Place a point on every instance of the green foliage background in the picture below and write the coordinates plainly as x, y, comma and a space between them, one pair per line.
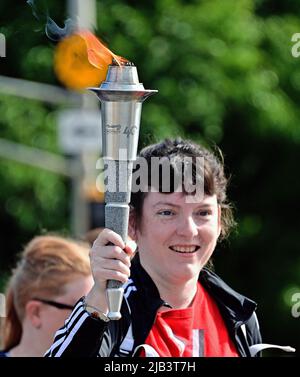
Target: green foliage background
225, 76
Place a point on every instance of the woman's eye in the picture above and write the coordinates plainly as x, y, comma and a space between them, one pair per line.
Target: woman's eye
204, 213
166, 213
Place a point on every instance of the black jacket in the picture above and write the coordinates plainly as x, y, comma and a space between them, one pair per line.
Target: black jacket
85, 336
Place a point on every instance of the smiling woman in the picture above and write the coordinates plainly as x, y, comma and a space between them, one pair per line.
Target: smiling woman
175, 305
52, 274
185, 238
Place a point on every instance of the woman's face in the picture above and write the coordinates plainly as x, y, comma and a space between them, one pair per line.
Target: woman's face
176, 238
53, 318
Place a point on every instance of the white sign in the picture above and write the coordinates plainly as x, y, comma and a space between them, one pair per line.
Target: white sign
79, 130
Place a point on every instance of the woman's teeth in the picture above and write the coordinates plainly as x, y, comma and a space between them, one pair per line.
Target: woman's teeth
184, 249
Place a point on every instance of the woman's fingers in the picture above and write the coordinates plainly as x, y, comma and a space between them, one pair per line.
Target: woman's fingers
109, 236
110, 252
106, 269
110, 257
130, 247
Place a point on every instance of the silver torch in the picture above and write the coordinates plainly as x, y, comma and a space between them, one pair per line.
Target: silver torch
121, 96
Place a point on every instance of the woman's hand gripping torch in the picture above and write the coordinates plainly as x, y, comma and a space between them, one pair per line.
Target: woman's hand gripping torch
121, 97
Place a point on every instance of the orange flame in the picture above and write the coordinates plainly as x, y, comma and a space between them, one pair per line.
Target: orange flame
81, 60
98, 54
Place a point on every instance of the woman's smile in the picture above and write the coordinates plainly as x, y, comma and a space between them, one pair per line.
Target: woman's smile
185, 249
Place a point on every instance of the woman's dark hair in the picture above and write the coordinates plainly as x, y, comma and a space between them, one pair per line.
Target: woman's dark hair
178, 150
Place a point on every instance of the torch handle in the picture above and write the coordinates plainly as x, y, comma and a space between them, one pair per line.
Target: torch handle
116, 219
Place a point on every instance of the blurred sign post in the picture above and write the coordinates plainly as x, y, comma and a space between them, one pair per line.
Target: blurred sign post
79, 131
80, 128
79, 135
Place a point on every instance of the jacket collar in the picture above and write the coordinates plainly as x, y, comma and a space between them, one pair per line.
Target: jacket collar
144, 282
144, 302
236, 308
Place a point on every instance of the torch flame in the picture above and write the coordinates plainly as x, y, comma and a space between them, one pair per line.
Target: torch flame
98, 54
81, 60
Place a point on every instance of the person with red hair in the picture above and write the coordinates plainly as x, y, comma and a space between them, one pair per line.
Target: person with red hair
51, 275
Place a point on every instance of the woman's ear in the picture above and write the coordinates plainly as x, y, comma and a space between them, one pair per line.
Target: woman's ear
33, 313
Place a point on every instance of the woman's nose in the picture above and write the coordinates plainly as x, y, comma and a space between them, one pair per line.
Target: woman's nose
187, 227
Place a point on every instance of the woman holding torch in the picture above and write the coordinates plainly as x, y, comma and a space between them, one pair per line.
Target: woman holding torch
174, 305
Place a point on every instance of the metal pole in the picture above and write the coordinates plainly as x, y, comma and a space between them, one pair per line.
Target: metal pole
79, 212
49, 161
37, 158
42, 92
83, 12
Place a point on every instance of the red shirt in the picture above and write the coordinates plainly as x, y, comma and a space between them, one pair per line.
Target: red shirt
198, 330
